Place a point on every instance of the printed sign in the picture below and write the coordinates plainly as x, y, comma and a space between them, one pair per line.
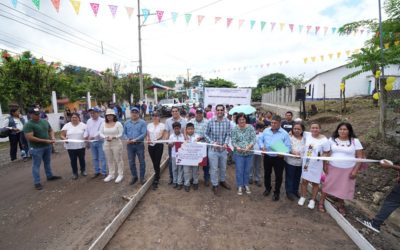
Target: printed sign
191, 154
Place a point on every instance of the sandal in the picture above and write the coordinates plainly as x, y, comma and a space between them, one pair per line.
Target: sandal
321, 208
341, 209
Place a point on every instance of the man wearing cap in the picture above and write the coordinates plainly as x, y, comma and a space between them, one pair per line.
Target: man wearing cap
176, 117
96, 147
135, 131
200, 126
40, 136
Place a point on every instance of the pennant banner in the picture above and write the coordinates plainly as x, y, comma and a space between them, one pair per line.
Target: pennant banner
160, 14
36, 3
199, 19
113, 9
14, 3
291, 26
263, 25
146, 14
272, 26
217, 19
76, 4
129, 11
188, 16
95, 8
174, 16
252, 22
241, 21
228, 21
56, 4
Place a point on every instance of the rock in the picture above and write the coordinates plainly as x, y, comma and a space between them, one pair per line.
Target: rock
377, 197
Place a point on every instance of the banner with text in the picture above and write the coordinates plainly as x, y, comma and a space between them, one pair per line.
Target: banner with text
191, 154
231, 96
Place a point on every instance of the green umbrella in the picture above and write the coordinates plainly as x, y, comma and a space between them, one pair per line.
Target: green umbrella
246, 109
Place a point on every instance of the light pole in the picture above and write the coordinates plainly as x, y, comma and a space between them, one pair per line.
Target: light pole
383, 97
140, 54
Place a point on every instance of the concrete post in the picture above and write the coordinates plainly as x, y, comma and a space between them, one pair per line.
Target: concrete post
54, 101
89, 100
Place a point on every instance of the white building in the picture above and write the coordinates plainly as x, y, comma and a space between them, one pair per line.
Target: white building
179, 82
362, 84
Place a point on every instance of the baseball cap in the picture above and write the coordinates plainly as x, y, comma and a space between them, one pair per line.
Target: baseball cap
95, 109
199, 110
35, 111
134, 109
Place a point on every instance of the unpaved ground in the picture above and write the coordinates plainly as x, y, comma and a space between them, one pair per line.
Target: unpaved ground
172, 219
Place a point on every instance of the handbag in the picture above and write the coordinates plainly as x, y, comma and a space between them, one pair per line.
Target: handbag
4, 132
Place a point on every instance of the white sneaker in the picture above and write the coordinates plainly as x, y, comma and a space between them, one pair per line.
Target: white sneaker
248, 191
108, 178
311, 204
239, 192
301, 201
119, 178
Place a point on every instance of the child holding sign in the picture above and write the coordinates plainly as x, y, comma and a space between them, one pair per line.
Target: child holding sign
191, 172
175, 139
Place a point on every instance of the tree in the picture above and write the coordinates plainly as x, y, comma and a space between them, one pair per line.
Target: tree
219, 83
273, 81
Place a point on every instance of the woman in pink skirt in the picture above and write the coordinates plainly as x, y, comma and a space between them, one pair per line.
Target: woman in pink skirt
341, 176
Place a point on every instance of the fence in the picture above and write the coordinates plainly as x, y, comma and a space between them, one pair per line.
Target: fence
282, 100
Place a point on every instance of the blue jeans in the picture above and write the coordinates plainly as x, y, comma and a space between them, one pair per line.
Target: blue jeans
242, 168
217, 161
98, 157
133, 150
391, 203
292, 179
39, 154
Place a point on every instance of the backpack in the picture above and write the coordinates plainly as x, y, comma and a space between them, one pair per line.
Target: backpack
5, 132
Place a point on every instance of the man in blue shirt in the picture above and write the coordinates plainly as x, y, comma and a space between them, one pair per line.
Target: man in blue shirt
135, 131
272, 140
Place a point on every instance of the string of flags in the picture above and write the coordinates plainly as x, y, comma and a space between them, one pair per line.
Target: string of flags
230, 22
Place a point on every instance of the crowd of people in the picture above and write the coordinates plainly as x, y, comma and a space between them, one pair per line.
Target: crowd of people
242, 137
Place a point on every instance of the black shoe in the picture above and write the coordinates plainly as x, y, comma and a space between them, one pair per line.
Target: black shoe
297, 195
291, 196
216, 191
275, 197
175, 185
155, 186
83, 173
38, 186
250, 181
74, 176
170, 182
96, 175
267, 192
143, 181
179, 187
187, 188
207, 183
195, 186
133, 181
258, 183
53, 178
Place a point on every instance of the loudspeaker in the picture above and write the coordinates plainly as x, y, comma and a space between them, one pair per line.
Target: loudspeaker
300, 95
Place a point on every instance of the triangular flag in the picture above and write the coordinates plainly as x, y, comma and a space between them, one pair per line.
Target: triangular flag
281, 26
356, 51
146, 13
188, 16
113, 9
317, 29
95, 8
330, 56
291, 26
333, 30
325, 30
129, 10
160, 14
200, 19
272, 26
301, 28
338, 54
228, 21
36, 3
252, 22
76, 4
174, 16
308, 28
322, 57
263, 23
241, 21
313, 58
14, 3
217, 18
56, 4
348, 52
386, 45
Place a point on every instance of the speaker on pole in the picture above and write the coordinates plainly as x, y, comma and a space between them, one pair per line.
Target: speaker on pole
300, 95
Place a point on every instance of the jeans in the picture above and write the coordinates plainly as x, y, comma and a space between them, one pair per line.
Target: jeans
292, 179
171, 176
391, 203
217, 162
191, 172
177, 172
74, 155
156, 153
279, 165
39, 154
242, 169
133, 150
98, 157
255, 171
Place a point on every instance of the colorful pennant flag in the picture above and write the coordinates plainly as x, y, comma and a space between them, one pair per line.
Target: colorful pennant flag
263, 23
56, 4
160, 14
317, 29
217, 19
241, 21
14, 3
333, 30
338, 54
188, 16
330, 56
325, 30
313, 58
228, 21
308, 28
174, 16
272, 26
200, 19
36, 3
146, 13
291, 26
252, 22
300, 28
281, 26
113, 9
95, 8
322, 57
129, 10
76, 4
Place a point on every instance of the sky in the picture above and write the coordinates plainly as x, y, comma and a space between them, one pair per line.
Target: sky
171, 48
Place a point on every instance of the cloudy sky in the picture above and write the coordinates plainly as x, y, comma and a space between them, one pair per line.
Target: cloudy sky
239, 53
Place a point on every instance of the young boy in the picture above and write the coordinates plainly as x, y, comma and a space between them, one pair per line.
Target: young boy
177, 170
191, 172
255, 174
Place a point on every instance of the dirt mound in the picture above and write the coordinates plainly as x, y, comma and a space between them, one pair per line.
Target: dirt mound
325, 119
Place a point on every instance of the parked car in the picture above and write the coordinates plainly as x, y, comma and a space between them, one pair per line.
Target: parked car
164, 106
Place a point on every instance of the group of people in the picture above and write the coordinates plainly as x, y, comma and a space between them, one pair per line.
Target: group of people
265, 139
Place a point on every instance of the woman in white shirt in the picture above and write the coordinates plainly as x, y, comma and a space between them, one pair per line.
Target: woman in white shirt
15, 124
74, 130
156, 131
112, 131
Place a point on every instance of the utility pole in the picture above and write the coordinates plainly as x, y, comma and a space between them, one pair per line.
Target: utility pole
383, 96
140, 53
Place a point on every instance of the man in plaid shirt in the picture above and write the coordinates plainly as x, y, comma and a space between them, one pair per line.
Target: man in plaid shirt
218, 132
